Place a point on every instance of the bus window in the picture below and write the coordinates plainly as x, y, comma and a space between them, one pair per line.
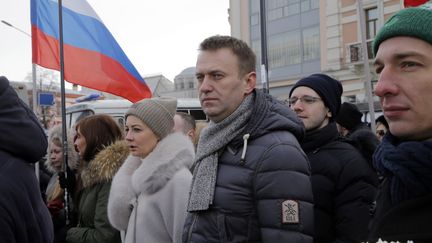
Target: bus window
198, 115
76, 116
120, 121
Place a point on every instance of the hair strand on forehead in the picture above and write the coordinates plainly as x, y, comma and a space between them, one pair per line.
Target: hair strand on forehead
246, 57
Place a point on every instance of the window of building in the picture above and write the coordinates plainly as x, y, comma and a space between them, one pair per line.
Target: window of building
275, 9
256, 47
255, 19
311, 44
305, 5
254, 6
274, 4
191, 85
314, 4
284, 49
292, 9
275, 14
182, 86
371, 18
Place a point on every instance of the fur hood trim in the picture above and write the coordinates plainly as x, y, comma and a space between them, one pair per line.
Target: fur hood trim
105, 165
73, 158
171, 154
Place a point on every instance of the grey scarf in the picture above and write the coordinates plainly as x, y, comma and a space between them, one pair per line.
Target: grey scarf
214, 138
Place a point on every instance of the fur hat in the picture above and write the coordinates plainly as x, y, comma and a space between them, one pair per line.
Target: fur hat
349, 116
157, 113
413, 22
73, 159
329, 89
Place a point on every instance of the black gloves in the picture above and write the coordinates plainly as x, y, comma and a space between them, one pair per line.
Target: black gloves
69, 182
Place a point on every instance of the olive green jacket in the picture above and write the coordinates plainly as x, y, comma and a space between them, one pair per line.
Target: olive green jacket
93, 225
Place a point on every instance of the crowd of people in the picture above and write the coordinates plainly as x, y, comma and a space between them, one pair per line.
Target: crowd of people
260, 170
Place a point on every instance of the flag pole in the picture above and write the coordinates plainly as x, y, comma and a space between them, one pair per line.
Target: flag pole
366, 68
63, 109
264, 60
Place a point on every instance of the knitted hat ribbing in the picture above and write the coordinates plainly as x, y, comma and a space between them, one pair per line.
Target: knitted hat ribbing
413, 22
157, 113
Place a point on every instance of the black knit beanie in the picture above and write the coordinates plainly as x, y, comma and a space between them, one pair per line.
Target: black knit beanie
349, 116
329, 89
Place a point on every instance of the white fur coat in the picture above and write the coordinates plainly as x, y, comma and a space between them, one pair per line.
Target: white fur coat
148, 196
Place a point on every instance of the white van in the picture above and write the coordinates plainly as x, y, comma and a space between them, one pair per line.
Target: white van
117, 108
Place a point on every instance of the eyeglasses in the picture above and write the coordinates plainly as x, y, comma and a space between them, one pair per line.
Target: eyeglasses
380, 133
304, 99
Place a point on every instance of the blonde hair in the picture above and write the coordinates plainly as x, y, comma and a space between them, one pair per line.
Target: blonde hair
56, 193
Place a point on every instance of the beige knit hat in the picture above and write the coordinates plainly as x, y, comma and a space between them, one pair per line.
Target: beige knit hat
157, 113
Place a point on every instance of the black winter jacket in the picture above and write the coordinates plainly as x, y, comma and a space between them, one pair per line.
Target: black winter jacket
344, 187
252, 195
24, 216
409, 220
365, 141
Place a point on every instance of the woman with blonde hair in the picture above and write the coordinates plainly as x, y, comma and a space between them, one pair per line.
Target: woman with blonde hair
54, 193
149, 193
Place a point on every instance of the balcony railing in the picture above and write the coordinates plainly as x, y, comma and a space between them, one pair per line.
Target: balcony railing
355, 53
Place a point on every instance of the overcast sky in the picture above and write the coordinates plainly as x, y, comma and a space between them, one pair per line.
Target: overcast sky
157, 36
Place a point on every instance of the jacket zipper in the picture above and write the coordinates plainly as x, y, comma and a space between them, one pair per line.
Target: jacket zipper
195, 217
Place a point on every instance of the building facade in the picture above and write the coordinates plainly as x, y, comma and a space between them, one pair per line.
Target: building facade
185, 84
311, 36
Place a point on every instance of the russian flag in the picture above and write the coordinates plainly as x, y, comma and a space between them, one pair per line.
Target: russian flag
413, 3
92, 57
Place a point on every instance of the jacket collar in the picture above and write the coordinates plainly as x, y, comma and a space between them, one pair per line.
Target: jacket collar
318, 138
171, 154
106, 163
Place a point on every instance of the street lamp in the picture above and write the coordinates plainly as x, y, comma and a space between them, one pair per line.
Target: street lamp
34, 92
34, 85
10, 25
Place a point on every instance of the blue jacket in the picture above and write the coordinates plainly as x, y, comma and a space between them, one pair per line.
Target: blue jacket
24, 216
253, 195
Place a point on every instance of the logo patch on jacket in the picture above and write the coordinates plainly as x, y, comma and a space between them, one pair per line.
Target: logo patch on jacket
290, 212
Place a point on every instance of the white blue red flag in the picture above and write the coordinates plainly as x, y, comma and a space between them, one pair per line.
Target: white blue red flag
413, 3
92, 57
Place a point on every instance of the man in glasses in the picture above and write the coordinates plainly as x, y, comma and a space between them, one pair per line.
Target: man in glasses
343, 185
382, 127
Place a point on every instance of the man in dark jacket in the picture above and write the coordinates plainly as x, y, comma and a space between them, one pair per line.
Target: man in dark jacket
24, 216
343, 184
251, 179
403, 49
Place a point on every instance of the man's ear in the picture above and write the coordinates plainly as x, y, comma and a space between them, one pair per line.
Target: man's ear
329, 114
250, 79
